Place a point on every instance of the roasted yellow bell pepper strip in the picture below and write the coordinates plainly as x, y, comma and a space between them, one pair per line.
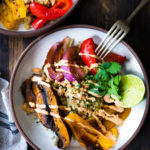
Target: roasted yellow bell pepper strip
6, 18
86, 135
18, 8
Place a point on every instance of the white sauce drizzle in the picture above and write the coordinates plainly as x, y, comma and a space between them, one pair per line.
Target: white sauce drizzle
55, 115
60, 63
94, 65
94, 94
40, 105
86, 54
41, 111
62, 70
90, 81
46, 113
31, 104
84, 126
46, 70
39, 81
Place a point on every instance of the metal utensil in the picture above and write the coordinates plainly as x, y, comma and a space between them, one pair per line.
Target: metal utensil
117, 32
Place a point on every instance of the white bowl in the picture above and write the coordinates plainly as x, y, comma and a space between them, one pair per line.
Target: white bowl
34, 55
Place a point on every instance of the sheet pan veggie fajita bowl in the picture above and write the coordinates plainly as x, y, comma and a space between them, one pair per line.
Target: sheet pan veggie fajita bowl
78, 95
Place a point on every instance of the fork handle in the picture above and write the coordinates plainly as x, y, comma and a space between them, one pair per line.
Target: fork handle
138, 8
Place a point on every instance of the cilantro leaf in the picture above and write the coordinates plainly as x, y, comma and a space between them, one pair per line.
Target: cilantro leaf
114, 68
105, 65
89, 77
117, 79
112, 88
95, 90
101, 75
101, 85
106, 79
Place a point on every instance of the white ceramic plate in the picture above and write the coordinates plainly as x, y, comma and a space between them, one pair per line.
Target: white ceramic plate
34, 55
21, 31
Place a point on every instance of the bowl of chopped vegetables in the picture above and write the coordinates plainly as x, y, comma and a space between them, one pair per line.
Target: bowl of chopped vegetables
62, 91
31, 18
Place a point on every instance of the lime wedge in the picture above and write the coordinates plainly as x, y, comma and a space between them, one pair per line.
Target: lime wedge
132, 90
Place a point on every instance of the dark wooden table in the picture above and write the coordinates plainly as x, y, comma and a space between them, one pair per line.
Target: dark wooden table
101, 13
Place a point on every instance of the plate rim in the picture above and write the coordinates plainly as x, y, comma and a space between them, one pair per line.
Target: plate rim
63, 28
34, 33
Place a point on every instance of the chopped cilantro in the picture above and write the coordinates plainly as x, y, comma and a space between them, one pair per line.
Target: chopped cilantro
105, 65
75, 110
88, 100
113, 89
89, 77
106, 78
101, 74
95, 90
87, 105
78, 85
117, 79
114, 68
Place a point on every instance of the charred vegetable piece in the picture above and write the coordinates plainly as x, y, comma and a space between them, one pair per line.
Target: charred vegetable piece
86, 135
54, 12
55, 54
115, 57
18, 8
38, 23
29, 96
50, 62
43, 113
71, 72
46, 96
6, 17
27, 91
109, 125
62, 131
87, 48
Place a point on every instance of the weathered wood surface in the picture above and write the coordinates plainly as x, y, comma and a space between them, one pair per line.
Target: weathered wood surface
101, 13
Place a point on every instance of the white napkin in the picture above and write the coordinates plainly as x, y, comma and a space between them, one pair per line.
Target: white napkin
10, 138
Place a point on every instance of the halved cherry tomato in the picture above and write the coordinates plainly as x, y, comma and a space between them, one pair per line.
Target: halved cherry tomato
38, 23
54, 12
88, 47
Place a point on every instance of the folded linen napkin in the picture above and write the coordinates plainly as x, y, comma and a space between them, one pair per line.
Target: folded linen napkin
10, 138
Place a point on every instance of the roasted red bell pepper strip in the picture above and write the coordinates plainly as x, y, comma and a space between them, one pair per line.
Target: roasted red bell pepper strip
88, 47
115, 57
38, 23
54, 12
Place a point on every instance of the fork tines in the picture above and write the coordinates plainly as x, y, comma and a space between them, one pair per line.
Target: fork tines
117, 32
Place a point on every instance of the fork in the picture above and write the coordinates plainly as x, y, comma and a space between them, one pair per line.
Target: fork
117, 32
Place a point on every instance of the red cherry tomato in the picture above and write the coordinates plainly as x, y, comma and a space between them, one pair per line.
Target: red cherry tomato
88, 47
54, 12
38, 23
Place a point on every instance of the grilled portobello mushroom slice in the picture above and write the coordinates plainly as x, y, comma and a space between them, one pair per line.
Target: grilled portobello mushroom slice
45, 95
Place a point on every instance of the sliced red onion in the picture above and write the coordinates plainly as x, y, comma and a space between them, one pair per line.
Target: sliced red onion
55, 54
72, 73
